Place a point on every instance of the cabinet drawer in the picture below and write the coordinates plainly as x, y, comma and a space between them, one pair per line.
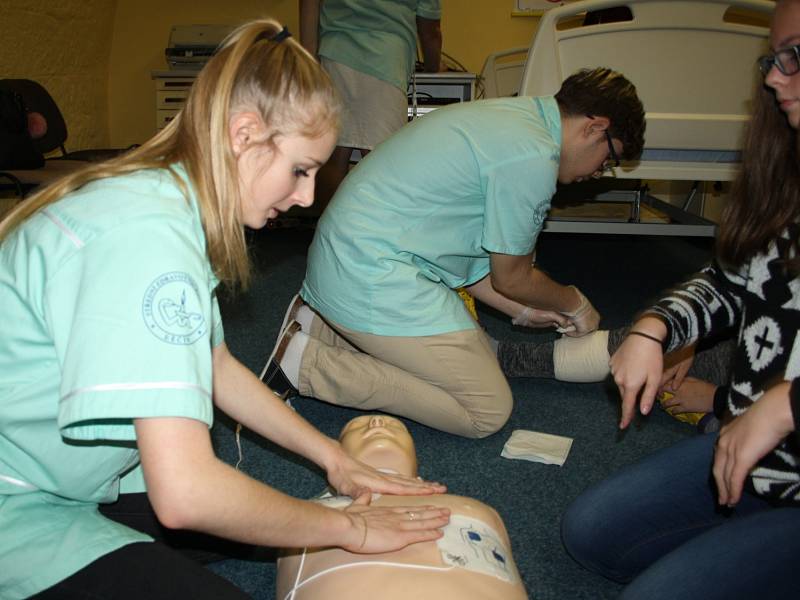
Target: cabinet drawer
171, 99
164, 116
174, 83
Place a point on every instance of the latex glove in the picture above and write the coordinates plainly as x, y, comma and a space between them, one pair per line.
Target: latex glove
585, 318
533, 317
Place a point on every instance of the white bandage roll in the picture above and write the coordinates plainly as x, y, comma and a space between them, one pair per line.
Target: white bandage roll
582, 359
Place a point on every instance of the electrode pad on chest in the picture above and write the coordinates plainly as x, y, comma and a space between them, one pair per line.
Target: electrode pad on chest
471, 544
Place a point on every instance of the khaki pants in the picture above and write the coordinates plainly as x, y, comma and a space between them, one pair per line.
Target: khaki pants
372, 109
449, 381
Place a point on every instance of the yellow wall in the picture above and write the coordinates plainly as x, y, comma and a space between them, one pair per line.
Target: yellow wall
65, 46
141, 31
473, 29
96, 56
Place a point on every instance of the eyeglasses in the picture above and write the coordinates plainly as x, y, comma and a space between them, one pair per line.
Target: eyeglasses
787, 61
610, 162
613, 159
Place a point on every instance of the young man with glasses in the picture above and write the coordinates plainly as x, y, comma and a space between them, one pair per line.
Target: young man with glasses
454, 199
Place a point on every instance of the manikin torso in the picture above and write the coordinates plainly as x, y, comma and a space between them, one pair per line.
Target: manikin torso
363, 579
472, 562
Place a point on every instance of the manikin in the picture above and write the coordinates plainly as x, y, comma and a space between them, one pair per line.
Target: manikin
471, 562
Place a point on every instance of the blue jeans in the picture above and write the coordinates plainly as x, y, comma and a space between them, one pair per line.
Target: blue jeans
657, 525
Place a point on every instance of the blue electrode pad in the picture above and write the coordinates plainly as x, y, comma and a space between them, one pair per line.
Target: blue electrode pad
471, 544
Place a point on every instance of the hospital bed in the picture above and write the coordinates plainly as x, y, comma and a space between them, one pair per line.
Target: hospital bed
694, 66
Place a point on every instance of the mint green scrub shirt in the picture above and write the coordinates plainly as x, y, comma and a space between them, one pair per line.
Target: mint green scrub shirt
376, 37
109, 314
421, 214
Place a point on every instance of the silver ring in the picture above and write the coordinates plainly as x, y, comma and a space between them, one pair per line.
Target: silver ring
411, 515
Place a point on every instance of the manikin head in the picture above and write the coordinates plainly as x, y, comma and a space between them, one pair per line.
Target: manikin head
381, 441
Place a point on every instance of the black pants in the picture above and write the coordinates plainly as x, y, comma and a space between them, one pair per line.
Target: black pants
167, 569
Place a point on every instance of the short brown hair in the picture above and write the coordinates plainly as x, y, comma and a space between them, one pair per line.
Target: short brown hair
602, 92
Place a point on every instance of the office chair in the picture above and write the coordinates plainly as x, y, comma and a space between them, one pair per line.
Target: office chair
37, 99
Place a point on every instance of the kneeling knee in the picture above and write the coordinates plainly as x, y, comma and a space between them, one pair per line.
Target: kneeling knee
491, 418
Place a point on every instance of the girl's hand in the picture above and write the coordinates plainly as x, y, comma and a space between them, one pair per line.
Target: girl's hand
694, 395
353, 478
388, 528
676, 366
748, 438
637, 366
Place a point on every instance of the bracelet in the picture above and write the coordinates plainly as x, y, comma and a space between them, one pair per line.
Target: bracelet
662, 343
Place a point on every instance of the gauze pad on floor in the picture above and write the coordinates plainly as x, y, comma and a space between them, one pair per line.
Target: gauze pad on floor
537, 447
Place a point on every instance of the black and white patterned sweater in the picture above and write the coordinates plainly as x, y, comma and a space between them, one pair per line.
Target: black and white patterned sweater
763, 303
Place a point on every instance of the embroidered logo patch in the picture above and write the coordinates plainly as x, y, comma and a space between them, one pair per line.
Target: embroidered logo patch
171, 309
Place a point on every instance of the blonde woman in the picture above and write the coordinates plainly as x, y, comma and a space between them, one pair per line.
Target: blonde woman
112, 348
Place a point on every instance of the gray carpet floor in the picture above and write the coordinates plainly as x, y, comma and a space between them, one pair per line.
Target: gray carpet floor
618, 273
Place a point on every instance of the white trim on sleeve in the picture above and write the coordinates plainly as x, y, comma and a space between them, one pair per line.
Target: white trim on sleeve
150, 385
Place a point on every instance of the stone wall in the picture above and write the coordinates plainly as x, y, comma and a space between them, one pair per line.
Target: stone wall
65, 46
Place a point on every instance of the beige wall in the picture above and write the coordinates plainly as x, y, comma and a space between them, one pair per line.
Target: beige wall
141, 31
65, 46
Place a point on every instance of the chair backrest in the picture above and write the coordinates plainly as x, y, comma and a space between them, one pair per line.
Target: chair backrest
694, 66
502, 72
37, 99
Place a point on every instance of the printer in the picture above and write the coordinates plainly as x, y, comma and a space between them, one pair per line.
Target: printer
191, 46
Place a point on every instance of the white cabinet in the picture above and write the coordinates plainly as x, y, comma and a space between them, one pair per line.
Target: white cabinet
172, 88
433, 90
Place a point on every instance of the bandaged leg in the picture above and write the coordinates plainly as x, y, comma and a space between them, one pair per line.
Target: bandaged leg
581, 359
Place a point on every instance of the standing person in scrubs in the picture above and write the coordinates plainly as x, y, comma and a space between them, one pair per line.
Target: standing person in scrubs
112, 349
369, 48
455, 199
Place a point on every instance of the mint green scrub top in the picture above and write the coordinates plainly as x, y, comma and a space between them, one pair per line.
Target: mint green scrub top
420, 215
109, 314
376, 37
